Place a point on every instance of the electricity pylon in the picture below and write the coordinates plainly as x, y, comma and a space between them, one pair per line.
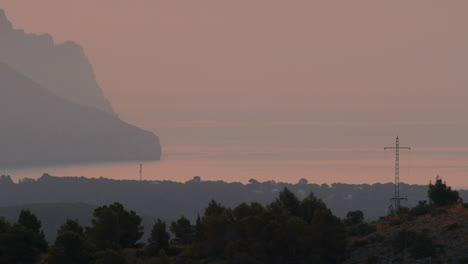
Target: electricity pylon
396, 199
141, 171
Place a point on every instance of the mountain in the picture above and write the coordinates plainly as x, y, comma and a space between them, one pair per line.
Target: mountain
41, 128
64, 68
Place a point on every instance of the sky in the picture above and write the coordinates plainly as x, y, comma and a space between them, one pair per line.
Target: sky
261, 82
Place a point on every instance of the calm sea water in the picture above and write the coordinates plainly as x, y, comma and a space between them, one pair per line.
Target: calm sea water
288, 165
287, 152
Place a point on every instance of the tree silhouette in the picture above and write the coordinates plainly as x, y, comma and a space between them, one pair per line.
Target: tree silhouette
285, 231
114, 227
440, 194
18, 245
182, 230
214, 208
6, 180
159, 238
289, 201
354, 217
4, 225
31, 222
71, 248
71, 225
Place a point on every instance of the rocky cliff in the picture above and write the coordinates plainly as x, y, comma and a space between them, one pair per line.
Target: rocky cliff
63, 69
38, 127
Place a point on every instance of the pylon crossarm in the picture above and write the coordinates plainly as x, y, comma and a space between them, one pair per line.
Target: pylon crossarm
398, 147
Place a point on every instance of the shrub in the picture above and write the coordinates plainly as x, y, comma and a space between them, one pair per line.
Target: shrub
109, 256
439, 212
400, 211
452, 227
403, 210
362, 229
419, 244
373, 260
421, 209
375, 238
422, 246
396, 221
462, 260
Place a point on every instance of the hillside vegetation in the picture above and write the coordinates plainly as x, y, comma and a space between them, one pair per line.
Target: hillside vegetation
440, 235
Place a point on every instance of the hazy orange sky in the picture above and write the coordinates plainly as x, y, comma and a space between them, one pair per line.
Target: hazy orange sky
271, 76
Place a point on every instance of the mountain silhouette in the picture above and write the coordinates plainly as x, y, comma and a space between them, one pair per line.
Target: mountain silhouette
41, 128
64, 68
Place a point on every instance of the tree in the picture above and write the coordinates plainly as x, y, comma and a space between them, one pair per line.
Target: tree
105, 229
355, 224
303, 181
31, 222
109, 256
114, 227
182, 230
285, 231
6, 180
354, 217
198, 232
4, 225
195, 179
421, 209
159, 238
440, 194
71, 248
71, 225
310, 205
18, 245
254, 182
289, 201
214, 209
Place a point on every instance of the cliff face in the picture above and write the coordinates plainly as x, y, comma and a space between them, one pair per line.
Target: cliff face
63, 69
38, 127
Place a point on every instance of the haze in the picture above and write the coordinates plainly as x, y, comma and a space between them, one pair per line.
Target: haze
283, 89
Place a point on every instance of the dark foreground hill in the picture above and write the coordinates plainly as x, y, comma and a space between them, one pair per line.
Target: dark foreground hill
40, 128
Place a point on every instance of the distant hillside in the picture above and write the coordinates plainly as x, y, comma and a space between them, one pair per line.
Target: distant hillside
40, 128
64, 69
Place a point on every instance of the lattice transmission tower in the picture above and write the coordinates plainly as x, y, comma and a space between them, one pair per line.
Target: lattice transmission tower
141, 171
396, 199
